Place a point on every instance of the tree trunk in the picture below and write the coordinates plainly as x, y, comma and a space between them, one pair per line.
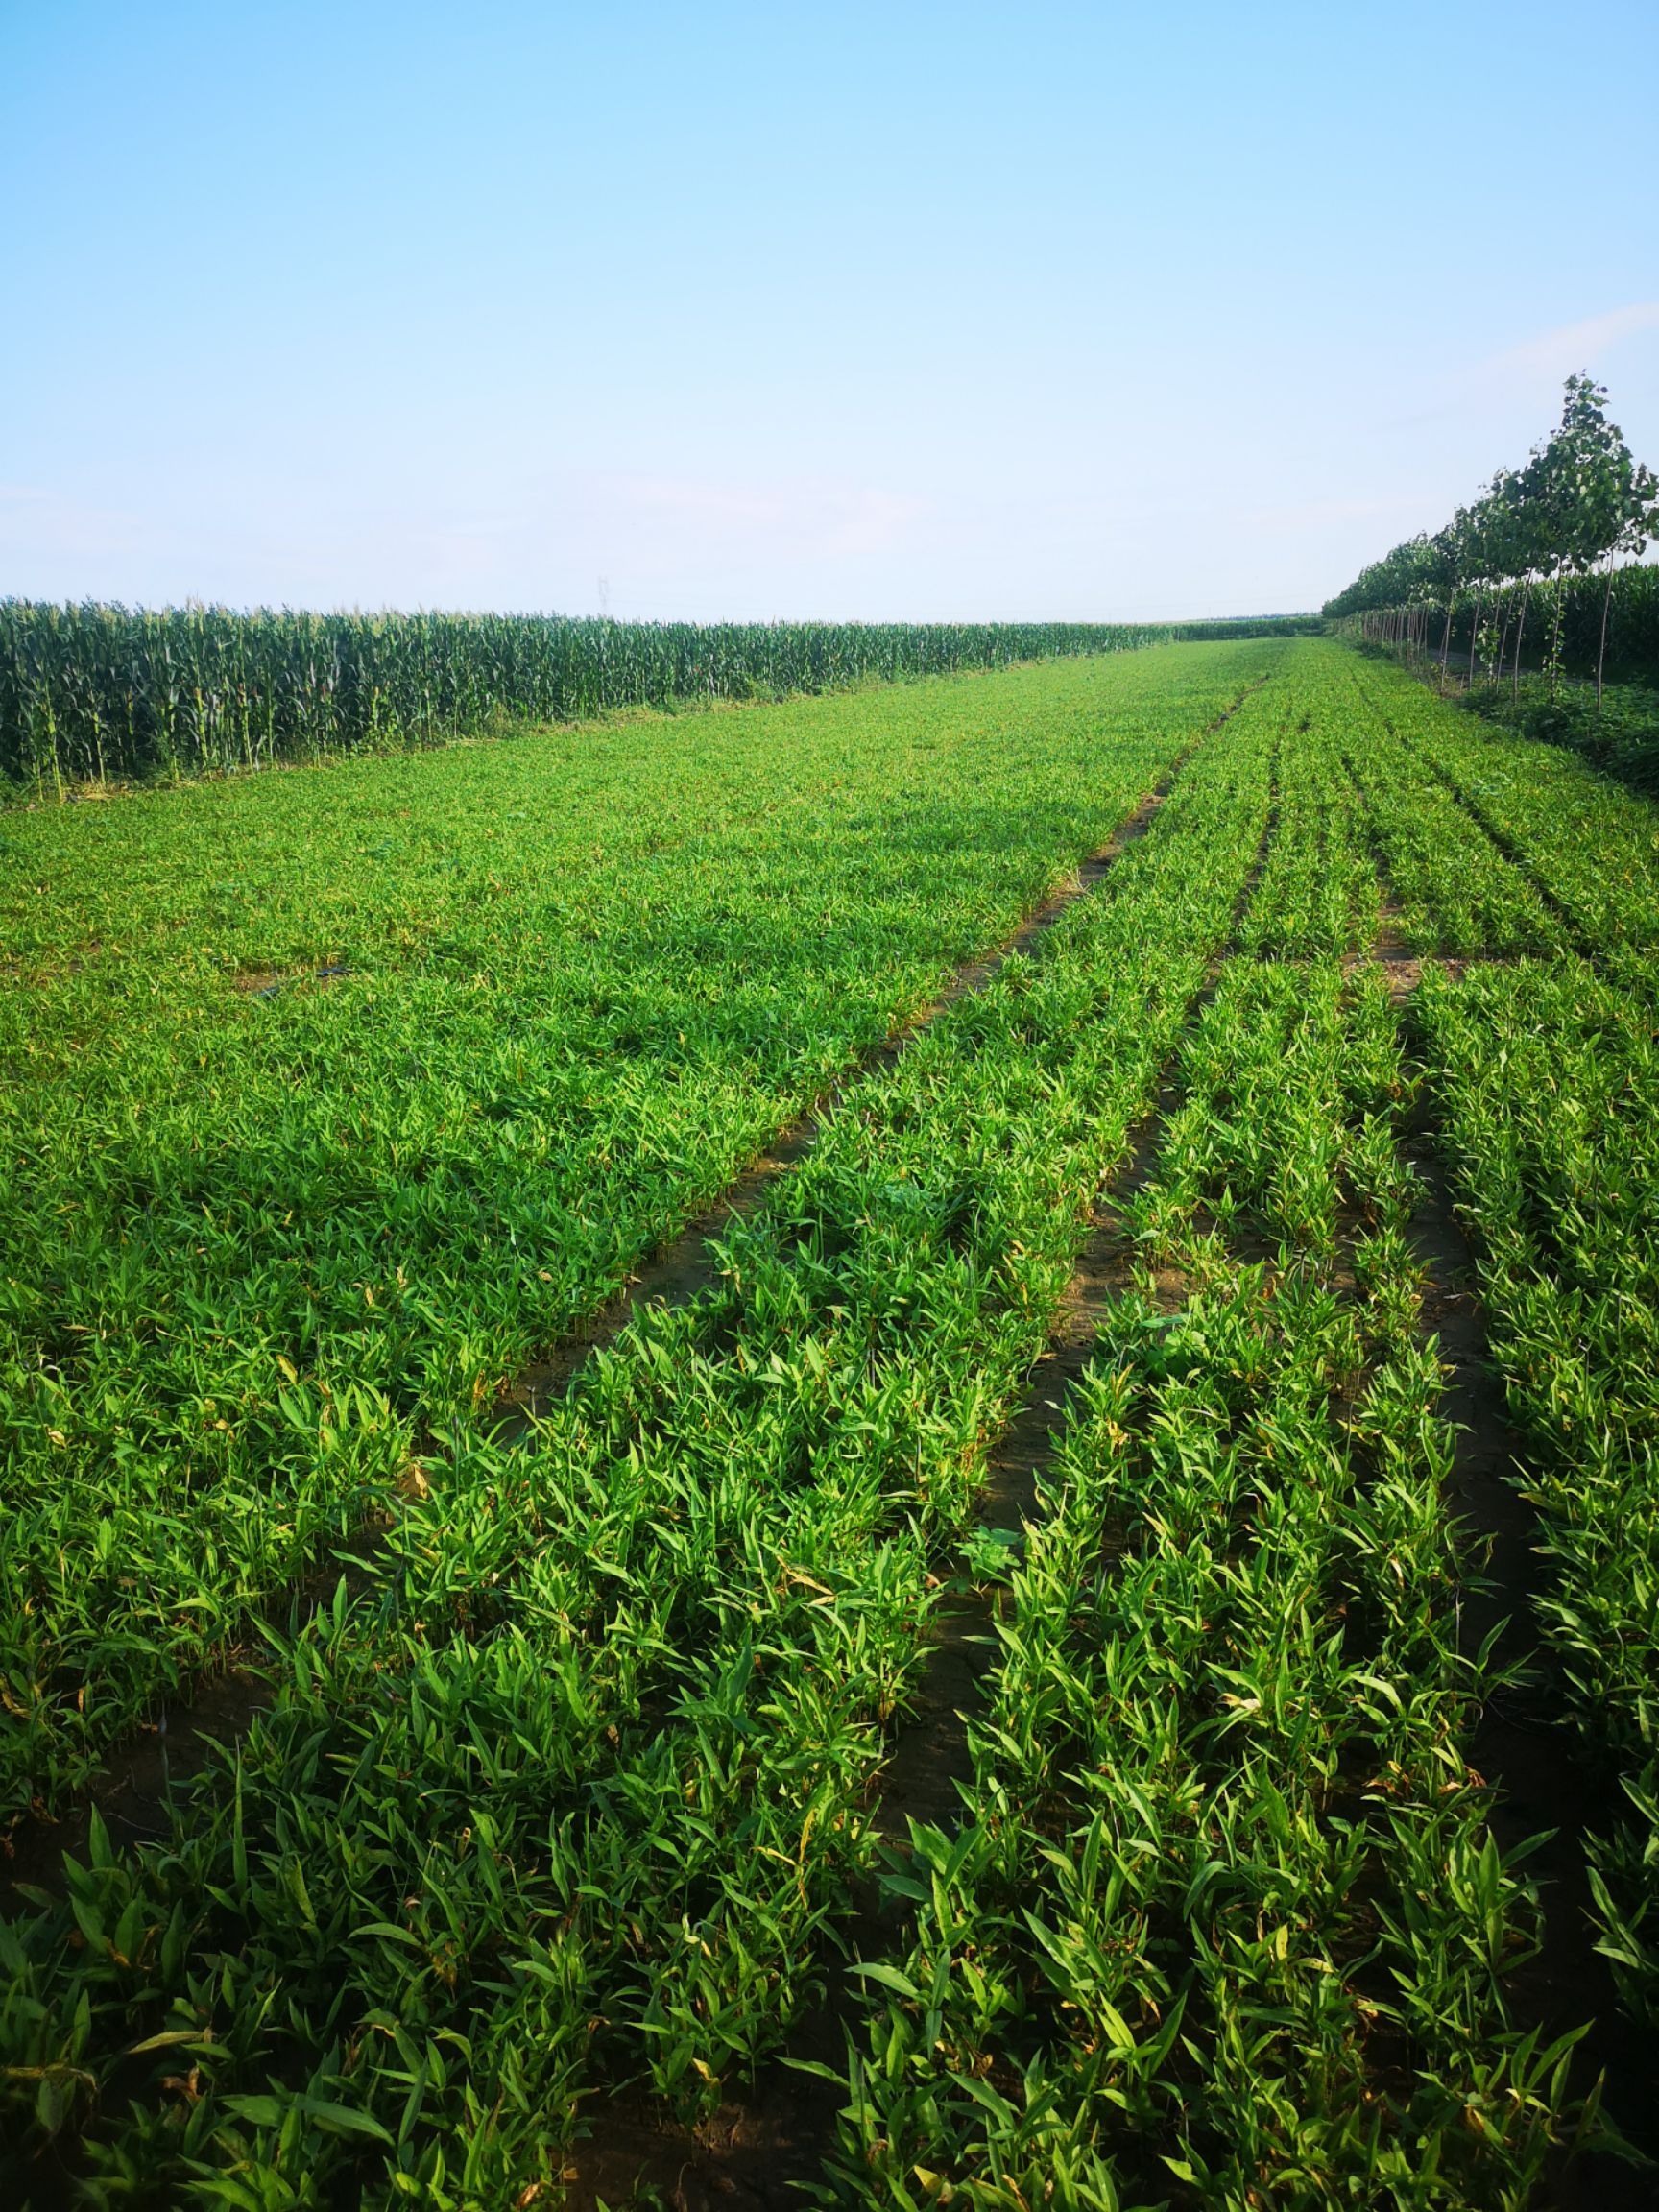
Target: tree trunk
1473, 638
1520, 632
1601, 648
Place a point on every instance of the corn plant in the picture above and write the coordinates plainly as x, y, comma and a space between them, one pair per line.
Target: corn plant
91, 692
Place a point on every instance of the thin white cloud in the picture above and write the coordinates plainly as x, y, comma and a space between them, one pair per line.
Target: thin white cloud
1520, 374
1573, 346
791, 520
1315, 517
36, 523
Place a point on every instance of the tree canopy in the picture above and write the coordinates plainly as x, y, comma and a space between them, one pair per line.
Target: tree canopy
1580, 498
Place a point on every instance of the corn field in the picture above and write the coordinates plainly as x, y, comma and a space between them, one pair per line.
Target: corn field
92, 691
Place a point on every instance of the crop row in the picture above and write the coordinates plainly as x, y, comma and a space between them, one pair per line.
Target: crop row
1454, 891
1222, 1922
1543, 1082
1548, 1084
1585, 842
258, 1244
1545, 1079
570, 1793
1490, 844
1317, 892
574, 1785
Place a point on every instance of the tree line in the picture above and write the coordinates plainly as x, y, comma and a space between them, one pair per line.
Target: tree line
1579, 508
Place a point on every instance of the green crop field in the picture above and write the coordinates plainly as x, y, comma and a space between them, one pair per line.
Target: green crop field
1094, 1647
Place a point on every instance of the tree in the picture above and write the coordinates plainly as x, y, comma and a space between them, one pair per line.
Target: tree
1570, 471
1639, 521
1605, 499
1490, 547
1516, 535
1580, 501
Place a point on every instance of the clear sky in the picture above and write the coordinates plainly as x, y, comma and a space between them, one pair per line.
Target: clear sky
846, 311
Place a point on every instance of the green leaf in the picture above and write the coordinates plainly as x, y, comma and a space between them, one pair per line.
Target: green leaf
890, 1978
389, 1932
342, 2119
257, 2111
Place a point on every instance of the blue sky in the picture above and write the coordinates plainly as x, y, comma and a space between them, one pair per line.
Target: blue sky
850, 311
